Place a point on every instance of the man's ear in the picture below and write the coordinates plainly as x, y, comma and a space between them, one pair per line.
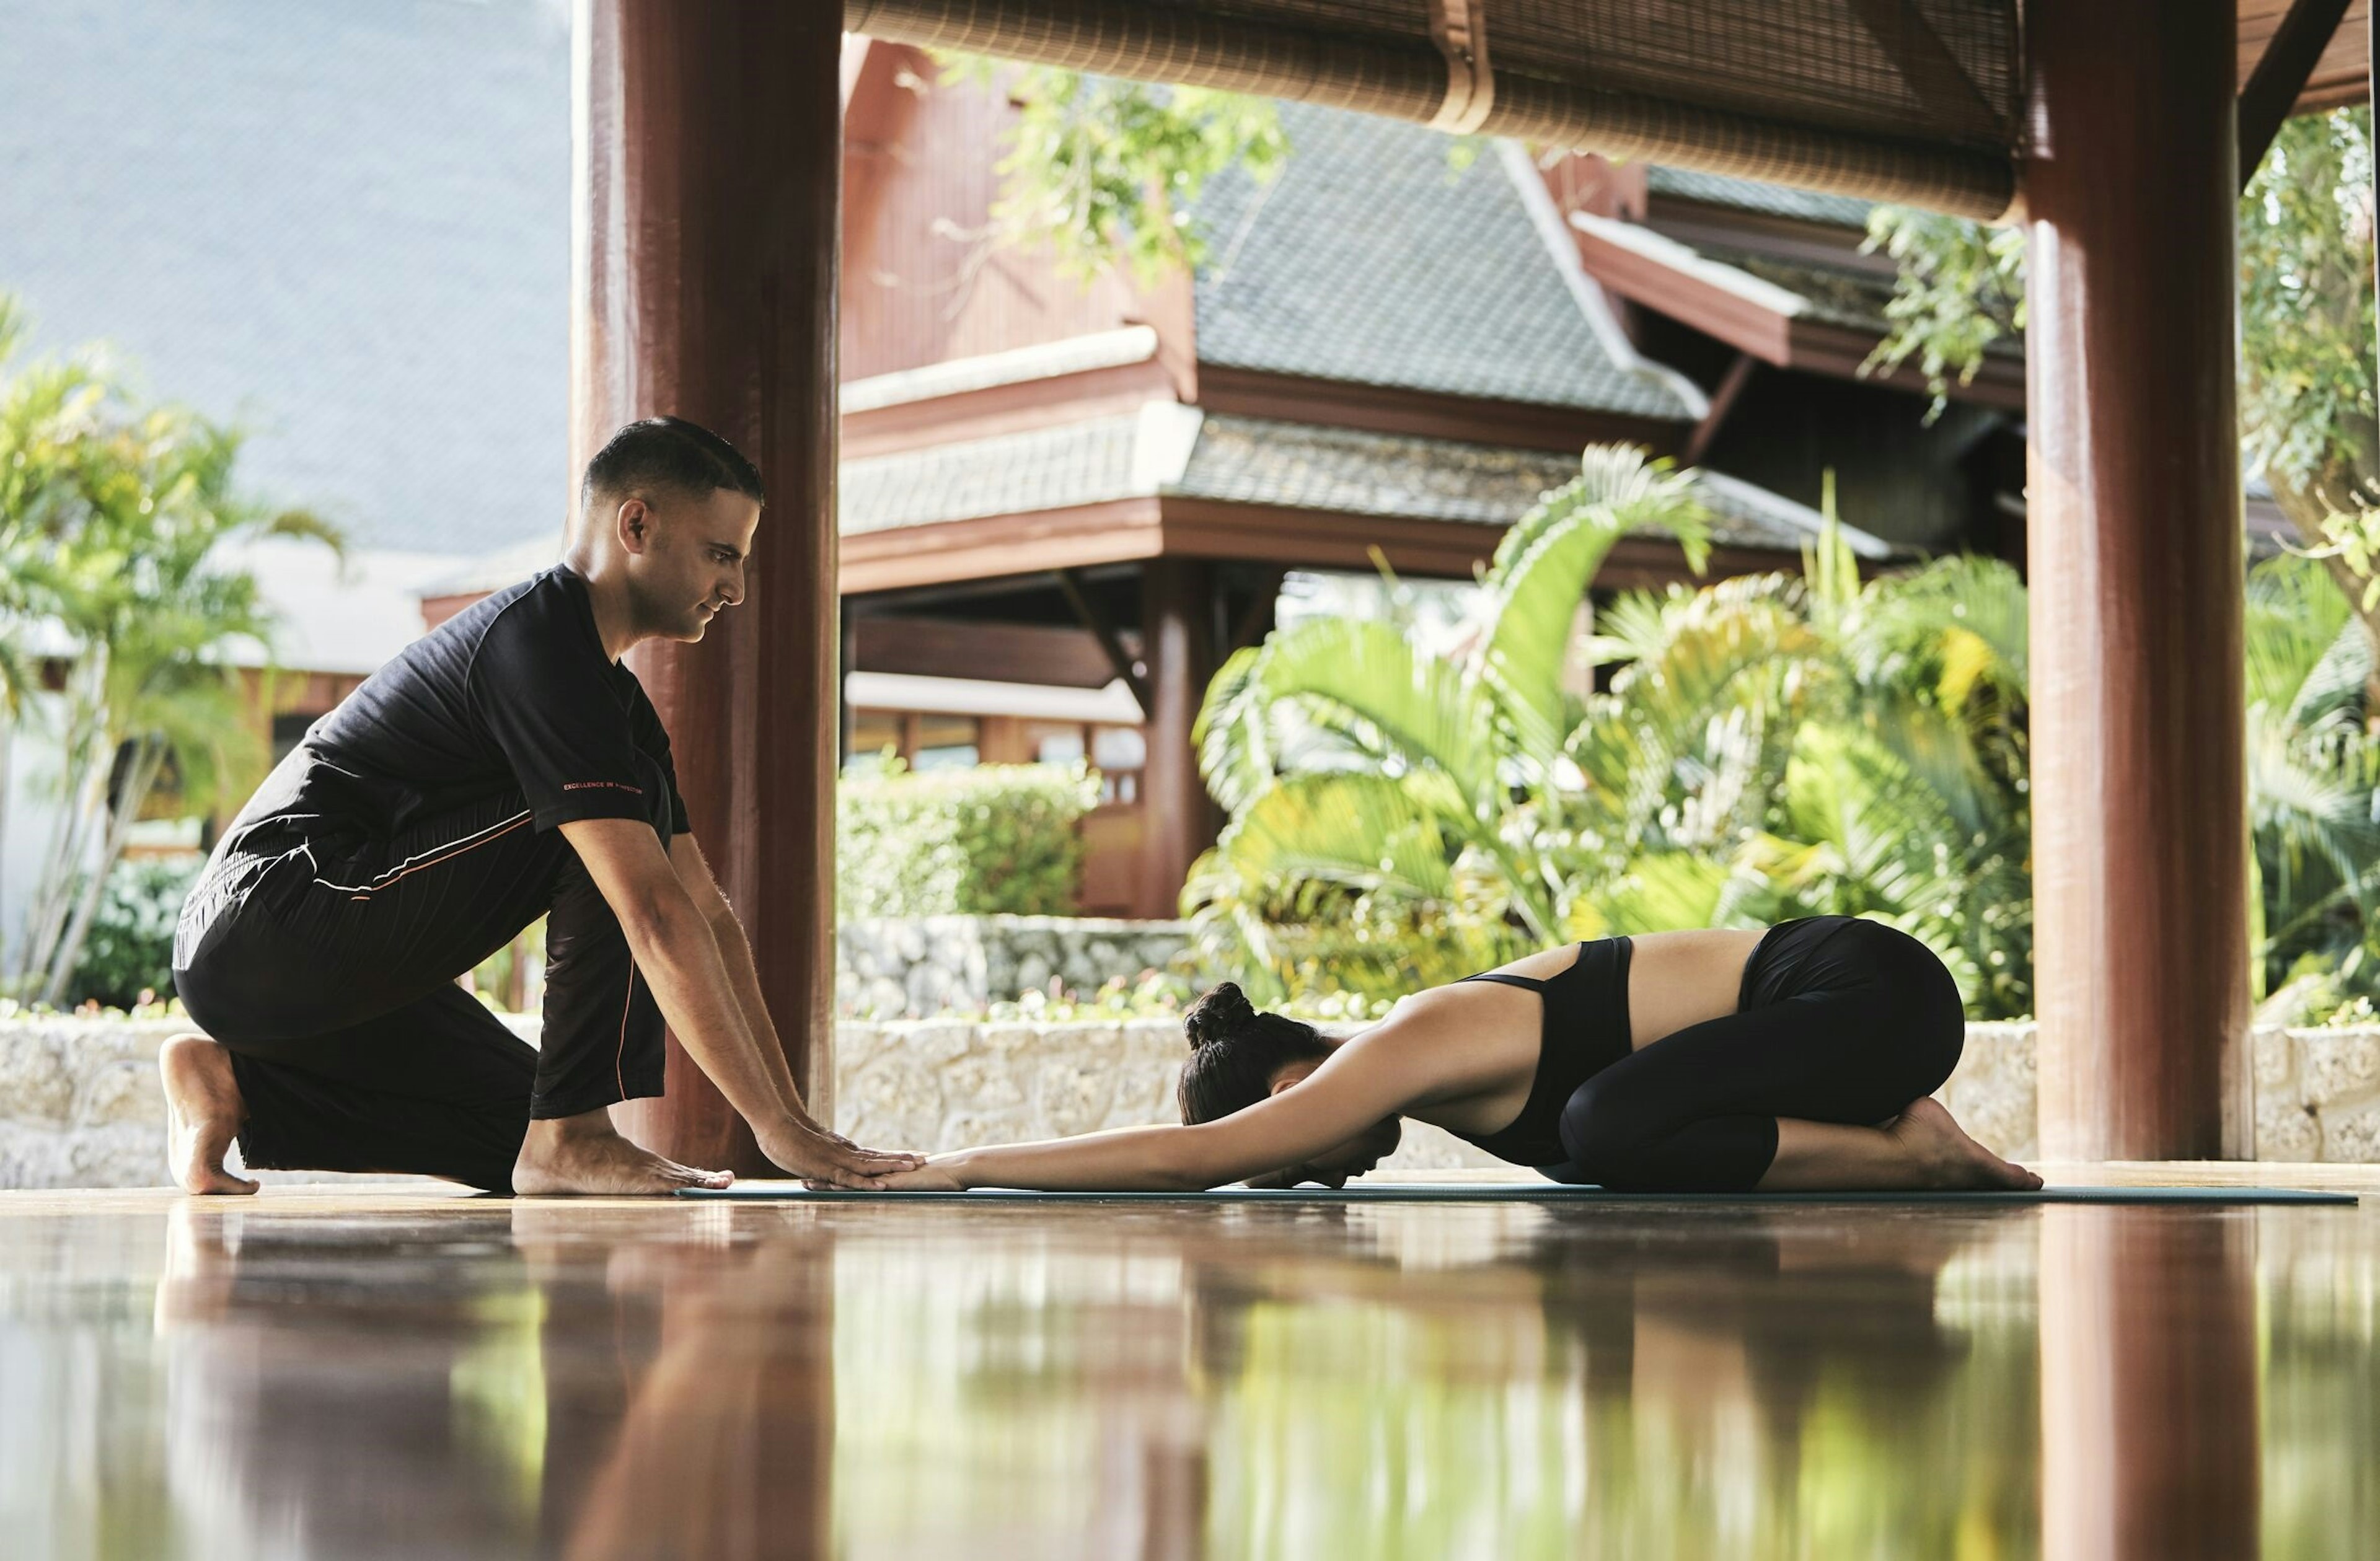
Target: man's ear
634, 524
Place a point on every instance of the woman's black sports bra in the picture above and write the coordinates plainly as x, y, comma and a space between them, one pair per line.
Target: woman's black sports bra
1584, 1030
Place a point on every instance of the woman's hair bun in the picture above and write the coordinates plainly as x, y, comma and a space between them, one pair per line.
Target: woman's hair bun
1222, 1012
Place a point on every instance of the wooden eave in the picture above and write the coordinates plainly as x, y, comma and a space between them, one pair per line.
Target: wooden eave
1699, 225
1773, 335
2340, 76
949, 551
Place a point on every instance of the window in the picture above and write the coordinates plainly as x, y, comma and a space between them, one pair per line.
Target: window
1051, 743
1119, 753
946, 743
872, 732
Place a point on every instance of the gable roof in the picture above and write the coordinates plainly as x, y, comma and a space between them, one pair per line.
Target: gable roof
1373, 258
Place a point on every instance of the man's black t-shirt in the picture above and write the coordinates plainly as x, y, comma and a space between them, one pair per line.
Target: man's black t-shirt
513, 692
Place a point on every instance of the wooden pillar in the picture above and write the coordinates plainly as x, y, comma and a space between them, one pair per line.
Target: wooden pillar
1177, 816
2150, 1435
2138, 781
709, 167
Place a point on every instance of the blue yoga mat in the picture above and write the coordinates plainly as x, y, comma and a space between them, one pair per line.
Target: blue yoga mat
1552, 1192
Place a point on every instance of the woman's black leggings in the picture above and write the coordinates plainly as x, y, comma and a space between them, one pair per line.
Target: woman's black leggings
1837, 1021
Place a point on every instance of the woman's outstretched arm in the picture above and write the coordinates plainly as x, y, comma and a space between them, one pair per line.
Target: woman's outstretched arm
1370, 1078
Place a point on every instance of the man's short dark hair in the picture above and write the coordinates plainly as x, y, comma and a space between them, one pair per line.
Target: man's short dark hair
670, 452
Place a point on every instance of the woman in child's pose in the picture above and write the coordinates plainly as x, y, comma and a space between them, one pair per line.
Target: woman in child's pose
1803, 1056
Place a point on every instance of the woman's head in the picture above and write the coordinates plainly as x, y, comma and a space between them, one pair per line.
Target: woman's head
1239, 1057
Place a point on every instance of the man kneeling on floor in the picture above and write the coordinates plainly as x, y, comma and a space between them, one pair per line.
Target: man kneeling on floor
506, 767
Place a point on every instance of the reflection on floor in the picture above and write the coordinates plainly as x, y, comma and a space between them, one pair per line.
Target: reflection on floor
356, 1373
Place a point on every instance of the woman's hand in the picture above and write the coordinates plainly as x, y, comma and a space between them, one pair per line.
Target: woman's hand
829, 1159
940, 1173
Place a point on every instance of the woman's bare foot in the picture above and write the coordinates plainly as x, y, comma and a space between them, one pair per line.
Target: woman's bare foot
1952, 1159
204, 1112
583, 1155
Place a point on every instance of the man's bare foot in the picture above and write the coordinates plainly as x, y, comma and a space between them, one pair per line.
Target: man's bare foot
1952, 1159
583, 1155
204, 1112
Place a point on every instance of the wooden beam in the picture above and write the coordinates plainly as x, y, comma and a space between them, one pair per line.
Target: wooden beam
705, 286
1120, 660
1178, 819
1449, 550
1933, 74
1255, 619
1722, 402
2281, 74
2339, 78
991, 546
2139, 716
966, 648
1819, 346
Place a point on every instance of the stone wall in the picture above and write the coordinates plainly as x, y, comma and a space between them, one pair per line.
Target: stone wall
80, 1104
917, 967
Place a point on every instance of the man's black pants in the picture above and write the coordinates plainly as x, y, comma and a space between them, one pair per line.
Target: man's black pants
326, 968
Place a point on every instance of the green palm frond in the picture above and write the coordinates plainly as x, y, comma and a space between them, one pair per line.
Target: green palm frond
1545, 564
1362, 832
1366, 682
1658, 892
1233, 733
2295, 613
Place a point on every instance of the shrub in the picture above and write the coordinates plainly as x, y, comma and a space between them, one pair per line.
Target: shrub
978, 841
130, 948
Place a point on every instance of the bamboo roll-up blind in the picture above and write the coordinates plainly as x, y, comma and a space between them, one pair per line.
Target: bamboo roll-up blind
1910, 100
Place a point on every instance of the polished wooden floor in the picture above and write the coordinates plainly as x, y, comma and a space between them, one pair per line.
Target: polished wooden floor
361, 1373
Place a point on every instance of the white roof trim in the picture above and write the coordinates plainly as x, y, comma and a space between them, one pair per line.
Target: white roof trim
1111, 706
1751, 496
1690, 262
1044, 360
1161, 445
1521, 169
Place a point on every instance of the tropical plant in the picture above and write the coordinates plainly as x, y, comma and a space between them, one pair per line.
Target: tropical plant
1391, 793
2314, 783
1781, 746
113, 518
2307, 409
1769, 747
980, 840
129, 956
1103, 169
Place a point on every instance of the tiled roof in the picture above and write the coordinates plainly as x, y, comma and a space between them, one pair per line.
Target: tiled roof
1372, 259
1259, 461
1012, 473
1751, 194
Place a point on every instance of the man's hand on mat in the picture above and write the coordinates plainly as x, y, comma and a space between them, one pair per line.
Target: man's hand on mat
829, 1160
935, 1175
